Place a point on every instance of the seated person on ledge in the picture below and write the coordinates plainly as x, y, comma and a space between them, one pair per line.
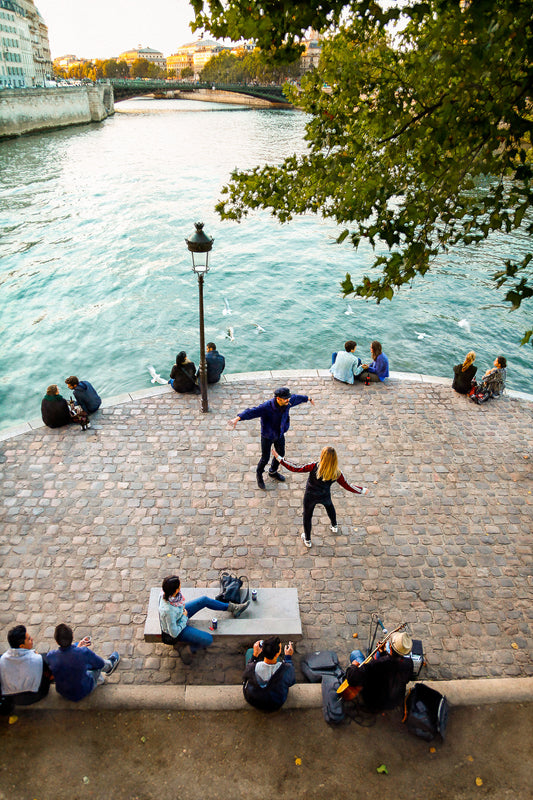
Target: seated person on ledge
463, 374
55, 410
267, 678
384, 679
76, 669
183, 375
24, 674
174, 614
378, 369
85, 394
215, 363
347, 365
493, 381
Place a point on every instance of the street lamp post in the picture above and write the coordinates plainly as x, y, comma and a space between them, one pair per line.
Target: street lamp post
200, 246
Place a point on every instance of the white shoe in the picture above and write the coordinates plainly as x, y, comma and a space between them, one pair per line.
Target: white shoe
334, 528
365, 490
304, 540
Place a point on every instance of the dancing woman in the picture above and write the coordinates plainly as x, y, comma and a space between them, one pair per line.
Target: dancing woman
318, 489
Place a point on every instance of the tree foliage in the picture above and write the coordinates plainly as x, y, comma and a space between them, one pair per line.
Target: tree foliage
250, 67
422, 140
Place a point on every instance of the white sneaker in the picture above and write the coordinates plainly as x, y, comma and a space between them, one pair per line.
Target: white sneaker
365, 490
304, 540
334, 528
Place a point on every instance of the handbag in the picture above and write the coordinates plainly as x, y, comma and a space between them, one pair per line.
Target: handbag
230, 588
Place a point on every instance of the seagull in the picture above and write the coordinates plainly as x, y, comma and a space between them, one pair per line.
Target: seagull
226, 311
155, 377
258, 328
349, 310
421, 335
464, 324
229, 335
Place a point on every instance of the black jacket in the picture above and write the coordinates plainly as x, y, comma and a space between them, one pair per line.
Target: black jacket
462, 381
383, 681
184, 377
55, 411
272, 696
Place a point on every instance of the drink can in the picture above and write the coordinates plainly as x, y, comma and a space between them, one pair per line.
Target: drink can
214, 623
254, 594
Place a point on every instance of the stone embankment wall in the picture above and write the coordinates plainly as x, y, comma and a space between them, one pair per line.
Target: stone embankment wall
28, 110
232, 98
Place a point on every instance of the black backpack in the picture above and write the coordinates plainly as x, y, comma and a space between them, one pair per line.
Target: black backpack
426, 712
332, 705
323, 662
230, 588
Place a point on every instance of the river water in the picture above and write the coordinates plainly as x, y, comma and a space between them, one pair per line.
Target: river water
96, 280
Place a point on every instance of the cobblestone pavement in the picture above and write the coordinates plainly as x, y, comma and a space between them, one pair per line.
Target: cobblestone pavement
90, 521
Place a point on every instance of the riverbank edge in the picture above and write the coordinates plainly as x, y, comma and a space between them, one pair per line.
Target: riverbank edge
241, 377
470, 692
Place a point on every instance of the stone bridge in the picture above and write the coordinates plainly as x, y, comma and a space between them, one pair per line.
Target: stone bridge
207, 91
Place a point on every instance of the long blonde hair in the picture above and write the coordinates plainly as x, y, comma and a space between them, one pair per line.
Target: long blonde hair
469, 360
328, 467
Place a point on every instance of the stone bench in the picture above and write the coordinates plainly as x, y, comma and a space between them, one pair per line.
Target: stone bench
276, 612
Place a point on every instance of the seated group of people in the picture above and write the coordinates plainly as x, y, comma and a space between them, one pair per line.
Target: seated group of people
25, 675
184, 376
348, 368
57, 412
492, 383
269, 671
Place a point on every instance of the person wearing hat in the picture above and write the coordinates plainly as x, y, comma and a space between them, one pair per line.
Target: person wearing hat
383, 680
275, 422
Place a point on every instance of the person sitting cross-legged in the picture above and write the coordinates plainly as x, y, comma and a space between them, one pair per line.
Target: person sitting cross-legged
267, 677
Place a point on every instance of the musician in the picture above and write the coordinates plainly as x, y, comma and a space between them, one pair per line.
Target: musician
384, 679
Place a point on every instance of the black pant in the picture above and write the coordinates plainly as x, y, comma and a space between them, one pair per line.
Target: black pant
309, 507
266, 448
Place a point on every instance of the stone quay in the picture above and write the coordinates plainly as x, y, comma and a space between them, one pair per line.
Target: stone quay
90, 521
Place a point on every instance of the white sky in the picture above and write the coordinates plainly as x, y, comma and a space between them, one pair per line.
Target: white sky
105, 28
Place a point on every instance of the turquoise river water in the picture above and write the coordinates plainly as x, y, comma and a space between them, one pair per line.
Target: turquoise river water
96, 280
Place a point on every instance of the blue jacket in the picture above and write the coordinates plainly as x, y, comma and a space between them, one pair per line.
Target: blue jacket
275, 419
87, 397
69, 667
215, 365
380, 366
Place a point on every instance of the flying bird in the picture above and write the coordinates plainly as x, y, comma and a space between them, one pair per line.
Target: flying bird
229, 335
226, 311
155, 377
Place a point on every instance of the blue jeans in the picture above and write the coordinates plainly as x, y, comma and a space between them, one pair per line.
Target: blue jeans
195, 638
357, 655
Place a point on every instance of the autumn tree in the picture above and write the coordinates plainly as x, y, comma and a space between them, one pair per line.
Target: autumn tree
421, 140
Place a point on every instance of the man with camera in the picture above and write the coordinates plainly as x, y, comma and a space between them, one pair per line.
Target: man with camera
267, 677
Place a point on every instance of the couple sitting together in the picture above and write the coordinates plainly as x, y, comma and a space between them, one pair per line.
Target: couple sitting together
347, 367
184, 376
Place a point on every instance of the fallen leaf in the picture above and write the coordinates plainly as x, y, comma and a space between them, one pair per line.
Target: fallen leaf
298, 762
382, 769
355, 635
470, 758
514, 645
432, 749
479, 782
143, 739
13, 719
85, 779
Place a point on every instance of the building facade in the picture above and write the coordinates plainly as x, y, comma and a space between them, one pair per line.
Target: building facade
146, 53
193, 55
24, 48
